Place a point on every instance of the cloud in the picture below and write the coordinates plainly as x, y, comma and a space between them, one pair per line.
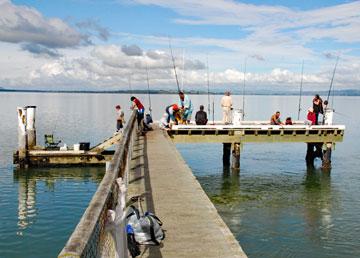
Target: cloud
91, 25
39, 50
340, 22
19, 24
132, 50
258, 57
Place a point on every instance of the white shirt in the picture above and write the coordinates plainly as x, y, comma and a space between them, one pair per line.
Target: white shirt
226, 101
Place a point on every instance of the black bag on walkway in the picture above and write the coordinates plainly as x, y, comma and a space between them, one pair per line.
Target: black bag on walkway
146, 226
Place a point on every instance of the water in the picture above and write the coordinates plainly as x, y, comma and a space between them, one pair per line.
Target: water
274, 207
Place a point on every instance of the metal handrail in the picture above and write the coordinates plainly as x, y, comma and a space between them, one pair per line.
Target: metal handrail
92, 221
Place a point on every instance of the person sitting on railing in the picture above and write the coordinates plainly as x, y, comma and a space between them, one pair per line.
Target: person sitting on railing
201, 116
275, 119
311, 117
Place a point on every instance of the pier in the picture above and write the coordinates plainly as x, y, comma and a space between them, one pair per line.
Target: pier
154, 169
151, 167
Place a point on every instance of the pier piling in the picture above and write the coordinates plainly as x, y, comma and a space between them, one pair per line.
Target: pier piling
30, 126
22, 139
326, 161
226, 154
235, 164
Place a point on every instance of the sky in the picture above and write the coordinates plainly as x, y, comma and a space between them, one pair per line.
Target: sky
118, 44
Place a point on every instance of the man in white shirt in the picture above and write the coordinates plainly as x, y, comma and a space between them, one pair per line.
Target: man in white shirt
226, 104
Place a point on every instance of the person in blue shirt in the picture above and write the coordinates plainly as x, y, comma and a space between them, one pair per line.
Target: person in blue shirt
185, 106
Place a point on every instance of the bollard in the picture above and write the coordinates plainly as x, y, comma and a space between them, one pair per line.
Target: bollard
30, 126
235, 164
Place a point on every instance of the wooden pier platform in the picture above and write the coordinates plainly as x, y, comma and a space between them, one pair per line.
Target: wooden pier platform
256, 131
193, 226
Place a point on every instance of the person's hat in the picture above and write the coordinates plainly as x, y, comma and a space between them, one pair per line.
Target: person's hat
175, 107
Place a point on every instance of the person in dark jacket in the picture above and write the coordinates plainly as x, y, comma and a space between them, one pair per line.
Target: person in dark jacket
317, 107
201, 116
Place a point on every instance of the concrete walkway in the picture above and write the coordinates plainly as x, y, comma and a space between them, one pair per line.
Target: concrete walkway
193, 226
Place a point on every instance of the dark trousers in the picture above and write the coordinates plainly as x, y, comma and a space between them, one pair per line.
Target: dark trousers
119, 125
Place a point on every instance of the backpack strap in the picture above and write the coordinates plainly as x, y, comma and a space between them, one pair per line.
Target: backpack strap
152, 232
135, 211
154, 216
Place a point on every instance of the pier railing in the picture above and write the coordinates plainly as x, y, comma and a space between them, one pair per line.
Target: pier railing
89, 238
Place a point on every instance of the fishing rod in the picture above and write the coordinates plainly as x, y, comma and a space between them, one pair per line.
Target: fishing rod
208, 84
183, 70
332, 79
130, 88
173, 60
301, 86
243, 93
148, 87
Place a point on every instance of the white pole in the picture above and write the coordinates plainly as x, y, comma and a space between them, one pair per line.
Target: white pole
30, 126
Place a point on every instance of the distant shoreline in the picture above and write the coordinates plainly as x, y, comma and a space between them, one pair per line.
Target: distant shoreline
191, 92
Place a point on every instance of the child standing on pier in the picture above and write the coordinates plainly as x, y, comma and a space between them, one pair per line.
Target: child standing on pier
120, 118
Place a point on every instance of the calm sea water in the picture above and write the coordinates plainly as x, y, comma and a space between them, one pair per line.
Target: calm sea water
274, 206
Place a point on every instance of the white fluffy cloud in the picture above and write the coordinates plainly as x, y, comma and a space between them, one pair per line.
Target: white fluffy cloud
19, 24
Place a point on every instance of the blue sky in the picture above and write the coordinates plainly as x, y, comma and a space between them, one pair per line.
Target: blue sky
86, 44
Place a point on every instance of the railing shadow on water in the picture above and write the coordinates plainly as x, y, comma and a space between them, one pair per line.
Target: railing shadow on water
89, 238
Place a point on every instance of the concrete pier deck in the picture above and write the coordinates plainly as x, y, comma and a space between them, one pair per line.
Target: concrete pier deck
193, 226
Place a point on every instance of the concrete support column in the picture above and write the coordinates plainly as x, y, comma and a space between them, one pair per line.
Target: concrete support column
326, 162
226, 154
30, 126
235, 164
22, 139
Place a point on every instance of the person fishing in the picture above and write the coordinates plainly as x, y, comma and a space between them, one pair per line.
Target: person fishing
136, 104
318, 107
226, 105
275, 119
311, 116
120, 118
185, 106
172, 113
201, 116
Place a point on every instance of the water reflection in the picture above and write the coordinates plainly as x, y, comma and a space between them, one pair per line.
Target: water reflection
27, 187
319, 200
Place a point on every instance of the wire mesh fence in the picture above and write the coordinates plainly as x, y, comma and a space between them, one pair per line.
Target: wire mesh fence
90, 237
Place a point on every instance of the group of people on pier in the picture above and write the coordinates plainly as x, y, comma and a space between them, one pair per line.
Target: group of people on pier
319, 107
181, 112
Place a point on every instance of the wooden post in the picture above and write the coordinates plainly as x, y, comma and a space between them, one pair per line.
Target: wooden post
235, 164
310, 155
226, 154
30, 126
22, 139
326, 162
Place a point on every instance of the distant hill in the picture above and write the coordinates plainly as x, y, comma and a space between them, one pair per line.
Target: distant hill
346, 92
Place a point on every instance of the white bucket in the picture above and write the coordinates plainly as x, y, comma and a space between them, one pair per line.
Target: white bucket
237, 115
328, 116
76, 147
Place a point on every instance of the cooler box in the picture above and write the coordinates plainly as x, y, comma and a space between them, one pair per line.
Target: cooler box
237, 115
84, 146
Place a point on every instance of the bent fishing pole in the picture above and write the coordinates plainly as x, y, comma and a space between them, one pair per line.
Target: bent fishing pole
173, 61
301, 86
